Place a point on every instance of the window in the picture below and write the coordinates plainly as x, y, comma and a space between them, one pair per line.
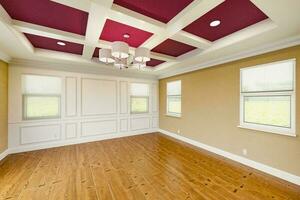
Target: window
267, 98
174, 98
41, 97
139, 98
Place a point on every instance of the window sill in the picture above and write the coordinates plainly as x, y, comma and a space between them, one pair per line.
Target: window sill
173, 115
276, 130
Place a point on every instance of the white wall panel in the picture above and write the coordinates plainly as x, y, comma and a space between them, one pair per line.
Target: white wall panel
154, 97
98, 127
36, 134
71, 130
94, 107
140, 123
71, 96
155, 122
123, 125
123, 97
98, 97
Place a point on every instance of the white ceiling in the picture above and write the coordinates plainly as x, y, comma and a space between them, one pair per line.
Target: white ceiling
282, 29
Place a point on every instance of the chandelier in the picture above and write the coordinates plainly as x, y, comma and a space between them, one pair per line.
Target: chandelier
120, 57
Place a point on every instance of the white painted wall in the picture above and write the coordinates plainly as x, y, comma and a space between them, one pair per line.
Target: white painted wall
93, 107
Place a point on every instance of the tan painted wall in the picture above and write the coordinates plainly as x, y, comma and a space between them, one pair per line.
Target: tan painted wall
210, 113
3, 105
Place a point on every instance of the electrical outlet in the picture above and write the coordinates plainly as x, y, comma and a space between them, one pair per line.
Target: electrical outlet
245, 152
178, 131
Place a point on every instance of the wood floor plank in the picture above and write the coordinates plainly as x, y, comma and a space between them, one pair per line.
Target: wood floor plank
149, 166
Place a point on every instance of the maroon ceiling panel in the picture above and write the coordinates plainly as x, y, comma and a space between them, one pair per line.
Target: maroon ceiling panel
234, 16
162, 11
154, 62
114, 31
51, 44
173, 48
47, 13
96, 53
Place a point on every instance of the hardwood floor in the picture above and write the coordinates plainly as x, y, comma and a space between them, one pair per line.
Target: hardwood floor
150, 166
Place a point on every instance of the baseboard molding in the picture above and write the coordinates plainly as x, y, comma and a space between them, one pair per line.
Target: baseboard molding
259, 166
48, 145
4, 154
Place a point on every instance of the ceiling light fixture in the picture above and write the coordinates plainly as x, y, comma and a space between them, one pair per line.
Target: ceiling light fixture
61, 43
126, 35
119, 54
121, 63
120, 50
142, 55
105, 56
215, 23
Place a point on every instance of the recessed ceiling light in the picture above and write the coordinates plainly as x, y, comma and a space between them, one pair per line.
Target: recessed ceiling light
61, 43
126, 35
215, 23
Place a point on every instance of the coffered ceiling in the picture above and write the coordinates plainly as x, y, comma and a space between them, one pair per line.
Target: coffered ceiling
181, 34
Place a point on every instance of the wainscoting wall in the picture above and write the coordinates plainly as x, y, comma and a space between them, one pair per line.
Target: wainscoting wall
93, 107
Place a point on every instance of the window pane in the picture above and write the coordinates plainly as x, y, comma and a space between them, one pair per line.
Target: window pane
174, 88
34, 84
174, 104
272, 77
139, 104
268, 110
42, 107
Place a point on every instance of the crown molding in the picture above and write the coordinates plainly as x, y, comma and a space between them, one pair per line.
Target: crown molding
81, 68
4, 57
289, 42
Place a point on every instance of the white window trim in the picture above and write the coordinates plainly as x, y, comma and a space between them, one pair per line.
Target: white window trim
269, 128
173, 114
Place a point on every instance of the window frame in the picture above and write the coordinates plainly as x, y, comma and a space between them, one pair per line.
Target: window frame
174, 114
24, 100
289, 131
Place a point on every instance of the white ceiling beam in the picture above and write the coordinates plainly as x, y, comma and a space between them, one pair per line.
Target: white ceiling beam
71, 37
239, 36
123, 15
97, 16
192, 40
4, 17
246, 33
47, 32
7, 21
192, 12
134, 19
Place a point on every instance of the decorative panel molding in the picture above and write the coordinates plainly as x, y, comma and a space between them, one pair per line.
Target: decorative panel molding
94, 107
98, 97
71, 96
155, 97
123, 125
98, 127
139, 123
155, 122
37, 134
123, 97
71, 130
